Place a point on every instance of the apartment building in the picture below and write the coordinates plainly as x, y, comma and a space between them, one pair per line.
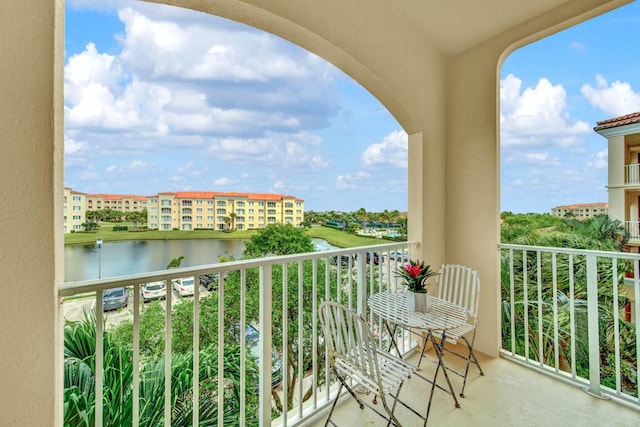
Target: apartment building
623, 136
581, 210
74, 210
120, 202
191, 210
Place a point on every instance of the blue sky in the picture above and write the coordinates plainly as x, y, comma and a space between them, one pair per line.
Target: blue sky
165, 99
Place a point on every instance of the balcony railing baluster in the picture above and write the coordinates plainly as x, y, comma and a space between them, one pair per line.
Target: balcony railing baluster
592, 305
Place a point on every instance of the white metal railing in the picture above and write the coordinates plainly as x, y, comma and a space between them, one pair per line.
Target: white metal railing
294, 285
562, 313
633, 228
632, 173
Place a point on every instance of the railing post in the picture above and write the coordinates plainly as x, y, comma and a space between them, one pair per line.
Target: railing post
264, 385
361, 304
593, 325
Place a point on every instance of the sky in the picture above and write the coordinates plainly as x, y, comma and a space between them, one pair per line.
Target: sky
159, 98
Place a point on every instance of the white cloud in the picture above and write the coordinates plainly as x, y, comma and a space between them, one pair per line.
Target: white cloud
600, 160
296, 151
616, 99
392, 151
71, 146
351, 181
579, 46
537, 116
223, 182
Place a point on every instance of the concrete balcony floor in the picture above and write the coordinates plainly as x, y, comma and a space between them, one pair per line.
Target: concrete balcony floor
508, 395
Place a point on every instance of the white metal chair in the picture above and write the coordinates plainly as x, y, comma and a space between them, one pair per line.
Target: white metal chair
460, 285
354, 356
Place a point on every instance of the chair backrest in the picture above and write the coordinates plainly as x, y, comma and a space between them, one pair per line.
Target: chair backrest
349, 339
460, 285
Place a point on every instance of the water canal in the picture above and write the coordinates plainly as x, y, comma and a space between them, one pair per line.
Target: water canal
86, 262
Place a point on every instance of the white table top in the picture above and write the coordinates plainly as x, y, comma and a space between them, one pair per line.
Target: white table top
392, 307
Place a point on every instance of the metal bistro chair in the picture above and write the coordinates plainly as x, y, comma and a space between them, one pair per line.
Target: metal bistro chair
353, 356
460, 285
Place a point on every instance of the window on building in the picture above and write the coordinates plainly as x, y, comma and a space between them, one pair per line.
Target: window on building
271, 204
240, 204
271, 219
271, 211
186, 218
165, 218
166, 210
221, 203
166, 203
221, 211
186, 210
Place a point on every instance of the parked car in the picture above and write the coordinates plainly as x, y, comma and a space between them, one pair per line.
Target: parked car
210, 281
153, 290
113, 299
344, 259
399, 255
184, 286
375, 256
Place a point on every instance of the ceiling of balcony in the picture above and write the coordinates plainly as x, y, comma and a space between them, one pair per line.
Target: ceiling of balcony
455, 25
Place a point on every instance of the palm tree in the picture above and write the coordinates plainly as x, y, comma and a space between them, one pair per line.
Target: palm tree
79, 383
175, 262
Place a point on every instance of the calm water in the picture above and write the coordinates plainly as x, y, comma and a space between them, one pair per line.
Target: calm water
141, 256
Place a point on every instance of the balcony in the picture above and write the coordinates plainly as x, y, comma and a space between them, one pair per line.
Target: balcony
633, 228
444, 90
252, 294
632, 174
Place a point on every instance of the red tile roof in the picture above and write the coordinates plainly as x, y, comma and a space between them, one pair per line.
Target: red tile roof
618, 121
116, 196
214, 194
584, 205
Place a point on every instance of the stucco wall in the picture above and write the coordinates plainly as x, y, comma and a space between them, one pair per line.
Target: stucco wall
31, 229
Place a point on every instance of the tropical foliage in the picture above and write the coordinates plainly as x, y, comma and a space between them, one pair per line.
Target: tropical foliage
80, 377
550, 291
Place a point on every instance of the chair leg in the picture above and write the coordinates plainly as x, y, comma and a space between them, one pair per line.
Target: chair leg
343, 383
335, 401
470, 358
424, 348
391, 413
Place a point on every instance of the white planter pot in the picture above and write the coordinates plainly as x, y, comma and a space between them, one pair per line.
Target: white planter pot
417, 302
422, 302
411, 301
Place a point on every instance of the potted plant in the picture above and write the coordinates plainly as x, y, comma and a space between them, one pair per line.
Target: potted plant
415, 275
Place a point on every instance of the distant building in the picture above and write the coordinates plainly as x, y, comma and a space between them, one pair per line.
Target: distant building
190, 210
623, 136
74, 210
581, 211
120, 202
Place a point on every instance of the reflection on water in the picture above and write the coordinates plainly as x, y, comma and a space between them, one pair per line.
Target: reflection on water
82, 262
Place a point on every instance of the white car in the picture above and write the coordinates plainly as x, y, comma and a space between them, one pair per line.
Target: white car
153, 290
184, 286
399, 255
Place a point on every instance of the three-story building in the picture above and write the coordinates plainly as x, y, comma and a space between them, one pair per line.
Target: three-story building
623, 135
210, 210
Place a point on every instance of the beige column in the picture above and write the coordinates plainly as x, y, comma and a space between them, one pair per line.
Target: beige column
472, 181
31, 212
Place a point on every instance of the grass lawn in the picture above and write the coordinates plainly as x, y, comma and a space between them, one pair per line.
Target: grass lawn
106, 233
342, 239
335, 237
